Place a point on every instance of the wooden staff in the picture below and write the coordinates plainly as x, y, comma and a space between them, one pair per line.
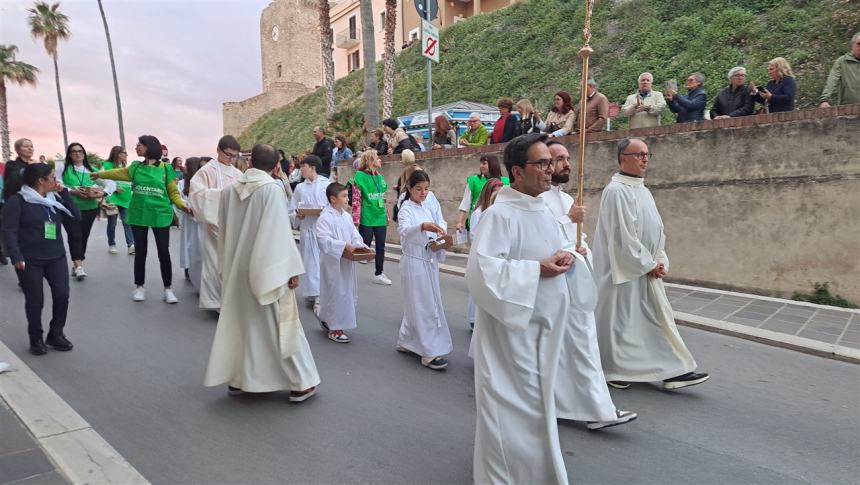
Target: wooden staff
584, 54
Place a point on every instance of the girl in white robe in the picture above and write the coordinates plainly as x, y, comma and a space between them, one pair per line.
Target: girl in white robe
336, 237
424, 329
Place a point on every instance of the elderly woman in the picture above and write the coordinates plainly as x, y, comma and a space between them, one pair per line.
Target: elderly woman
692, 106
779, 93
736, 99
559, 121
507, 127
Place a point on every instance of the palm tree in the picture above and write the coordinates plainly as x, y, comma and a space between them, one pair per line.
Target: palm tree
51, 25
388, 70
115, 82
16, 72
326, 41
371, 88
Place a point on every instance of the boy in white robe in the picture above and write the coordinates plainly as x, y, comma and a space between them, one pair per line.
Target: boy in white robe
636, 330
337, 237
581, 391
259, 343
205, 193
518, 274
309, 194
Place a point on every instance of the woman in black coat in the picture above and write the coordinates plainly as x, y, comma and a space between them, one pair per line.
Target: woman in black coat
31, 235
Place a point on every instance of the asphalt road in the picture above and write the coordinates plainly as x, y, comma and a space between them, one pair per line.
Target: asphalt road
768, 415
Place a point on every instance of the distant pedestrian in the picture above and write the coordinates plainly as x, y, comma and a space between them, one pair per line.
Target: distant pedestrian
368, 209
377, 142
32, 238
692, 106
341, 152
323, 149
778, 95
843, 82
337, 238
121, 198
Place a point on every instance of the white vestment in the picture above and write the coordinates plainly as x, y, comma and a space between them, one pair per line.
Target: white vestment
519, 331
424, 328
639, 341
473, 231
309, 195
191, 252
259, 344
338, 295
581, 391
204, 193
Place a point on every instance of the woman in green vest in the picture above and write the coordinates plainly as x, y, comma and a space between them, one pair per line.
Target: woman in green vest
121, 198
489, 169
153, 190
77, 176
370, 213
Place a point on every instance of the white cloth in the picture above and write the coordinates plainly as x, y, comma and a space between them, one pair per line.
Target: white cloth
204, 193
190, 249
517, 341
466, 201
338, 295
109, 186
470, 302
639, 341
309, 195
581, 392
50, 200
259, 343
424, 328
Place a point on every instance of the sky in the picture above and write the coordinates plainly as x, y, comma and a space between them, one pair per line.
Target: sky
176, 60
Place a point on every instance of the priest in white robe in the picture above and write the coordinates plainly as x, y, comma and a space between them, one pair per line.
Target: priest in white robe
259, 344
309, 194
518, 274
337, 237
639, 341
581, 390
205, 193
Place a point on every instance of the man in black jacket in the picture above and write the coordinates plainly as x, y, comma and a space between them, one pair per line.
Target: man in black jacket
323, 149
735, 100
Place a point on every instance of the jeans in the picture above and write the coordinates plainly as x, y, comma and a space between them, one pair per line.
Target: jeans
56, 271
368, 233
162, 245
111, 228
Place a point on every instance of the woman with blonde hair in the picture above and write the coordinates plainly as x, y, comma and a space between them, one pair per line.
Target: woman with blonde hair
530, 121
368, 208
778, 95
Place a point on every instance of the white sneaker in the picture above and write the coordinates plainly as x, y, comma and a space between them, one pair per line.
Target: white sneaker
139, 294
621, 418
363, 262
112, 250
170, 297
131, 249
79, 273
381, 279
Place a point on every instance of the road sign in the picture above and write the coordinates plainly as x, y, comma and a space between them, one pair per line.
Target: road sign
429, 41
434, 8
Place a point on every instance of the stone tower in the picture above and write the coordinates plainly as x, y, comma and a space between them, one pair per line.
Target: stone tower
291, 65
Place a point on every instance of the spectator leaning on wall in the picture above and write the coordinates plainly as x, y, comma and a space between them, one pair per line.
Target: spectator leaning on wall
692, 106
843, 83
643, 107
735, 100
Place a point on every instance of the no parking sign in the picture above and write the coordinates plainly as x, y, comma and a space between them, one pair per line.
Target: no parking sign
429, 41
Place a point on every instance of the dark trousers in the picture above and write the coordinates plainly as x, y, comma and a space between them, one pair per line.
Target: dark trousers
162, 245
368, 233
56, 271
88, 218
74, 238
111, 228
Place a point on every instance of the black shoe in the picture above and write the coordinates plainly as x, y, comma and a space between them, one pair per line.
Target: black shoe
686, 380
37, 346
187, 276
59, 342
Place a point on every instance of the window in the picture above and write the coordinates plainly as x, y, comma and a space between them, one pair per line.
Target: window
353, 61
280, 70
413, 34
381, 21
353, 29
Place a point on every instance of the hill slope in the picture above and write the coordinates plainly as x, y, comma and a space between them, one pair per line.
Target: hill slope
529, 50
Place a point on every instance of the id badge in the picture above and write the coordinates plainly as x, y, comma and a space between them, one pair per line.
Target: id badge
50, 230
380, 203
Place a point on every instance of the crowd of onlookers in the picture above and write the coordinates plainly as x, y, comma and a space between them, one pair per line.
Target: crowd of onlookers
643, 108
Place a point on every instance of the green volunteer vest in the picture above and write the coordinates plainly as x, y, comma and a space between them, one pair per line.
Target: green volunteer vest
476, 183
373, 188
74, 179
123, 199
150, 205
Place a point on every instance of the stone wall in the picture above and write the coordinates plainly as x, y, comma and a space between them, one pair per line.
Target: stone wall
767, 204
239, 115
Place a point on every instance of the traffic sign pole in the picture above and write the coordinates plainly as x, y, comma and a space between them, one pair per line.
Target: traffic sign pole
429, 85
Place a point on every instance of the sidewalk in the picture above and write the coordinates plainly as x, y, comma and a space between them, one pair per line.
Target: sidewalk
22, 461
806, 327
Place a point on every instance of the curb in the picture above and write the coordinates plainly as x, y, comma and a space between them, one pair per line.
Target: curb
80, 454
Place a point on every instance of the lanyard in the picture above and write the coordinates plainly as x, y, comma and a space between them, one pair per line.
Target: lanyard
79, 176
47, 212
376, 183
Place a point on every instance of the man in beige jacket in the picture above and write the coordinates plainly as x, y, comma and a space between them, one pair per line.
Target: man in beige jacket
643, 107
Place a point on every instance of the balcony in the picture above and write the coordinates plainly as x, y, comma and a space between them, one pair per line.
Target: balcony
347, 38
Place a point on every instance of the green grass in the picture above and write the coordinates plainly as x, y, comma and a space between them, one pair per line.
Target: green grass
822, 296
529, 50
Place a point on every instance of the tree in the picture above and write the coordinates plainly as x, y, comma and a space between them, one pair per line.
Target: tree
115, 82
388, 69
326, 40
52, 26
16, 72
371, 88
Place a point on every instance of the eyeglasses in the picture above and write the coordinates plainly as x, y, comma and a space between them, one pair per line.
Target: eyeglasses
640, 155
231, 156
542, 164
76, 151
